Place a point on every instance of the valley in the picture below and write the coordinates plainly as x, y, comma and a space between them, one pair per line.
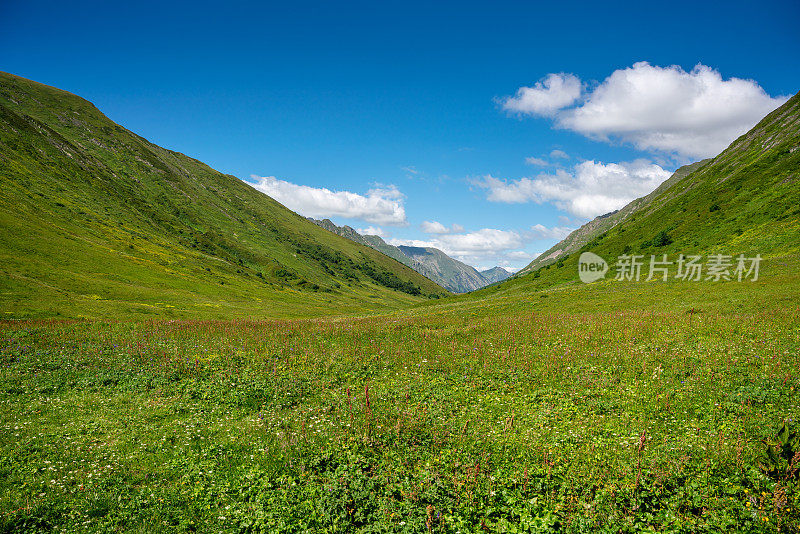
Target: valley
180, 352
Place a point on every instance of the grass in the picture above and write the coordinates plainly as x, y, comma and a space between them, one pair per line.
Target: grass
100, 223
488, 412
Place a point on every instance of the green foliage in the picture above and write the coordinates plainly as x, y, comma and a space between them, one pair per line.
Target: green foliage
388, 279
500, 412
662, 239
781, 457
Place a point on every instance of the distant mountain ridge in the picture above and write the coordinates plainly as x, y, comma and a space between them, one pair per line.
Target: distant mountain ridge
456, 276
496, 274
432, 263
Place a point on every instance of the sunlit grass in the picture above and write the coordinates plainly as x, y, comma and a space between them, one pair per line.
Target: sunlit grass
526, 421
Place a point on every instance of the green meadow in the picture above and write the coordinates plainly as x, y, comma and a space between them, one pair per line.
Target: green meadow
638, 407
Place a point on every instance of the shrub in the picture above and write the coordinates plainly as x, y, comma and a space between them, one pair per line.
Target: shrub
661, 239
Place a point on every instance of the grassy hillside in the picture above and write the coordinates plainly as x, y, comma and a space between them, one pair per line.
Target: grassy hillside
373, 241
96, 221
744, 201
599, 225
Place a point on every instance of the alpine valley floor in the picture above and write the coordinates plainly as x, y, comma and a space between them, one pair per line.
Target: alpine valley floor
617, 406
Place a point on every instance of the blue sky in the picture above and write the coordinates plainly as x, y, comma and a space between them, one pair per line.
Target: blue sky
416, 118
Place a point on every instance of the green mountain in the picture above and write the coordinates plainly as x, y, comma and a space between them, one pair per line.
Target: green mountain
97, 221
432, 263
745, 201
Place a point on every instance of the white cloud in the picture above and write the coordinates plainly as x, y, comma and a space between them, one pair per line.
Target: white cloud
539, 162
521, 255
517, 260
592, 188
540, 231
435, 227
694, 114
546, 97
485, 241
381, 205
488, 246
559, 154
512, 261
373, 230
